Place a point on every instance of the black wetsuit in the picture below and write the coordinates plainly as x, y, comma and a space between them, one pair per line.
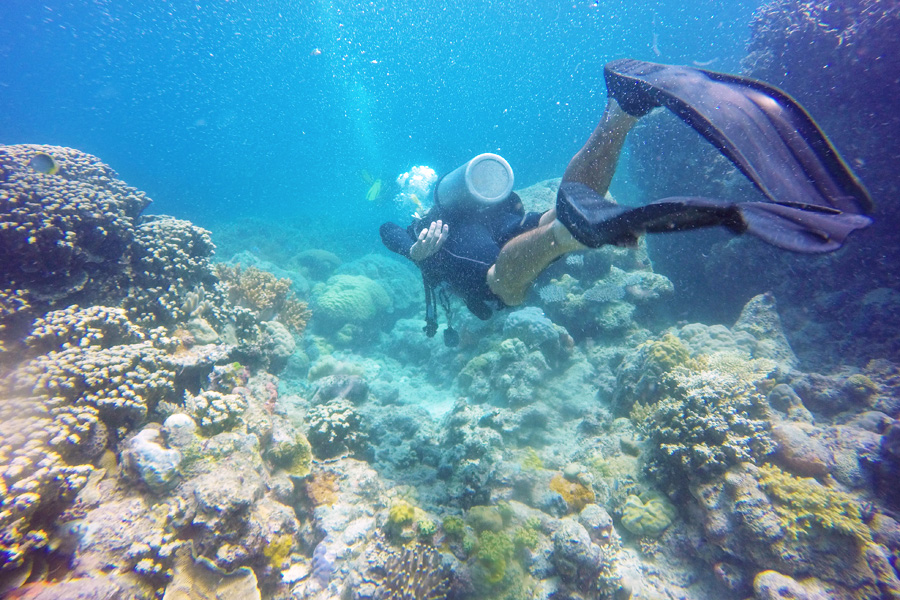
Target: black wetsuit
476, 238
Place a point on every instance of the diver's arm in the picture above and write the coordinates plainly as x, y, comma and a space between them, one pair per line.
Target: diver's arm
396, 239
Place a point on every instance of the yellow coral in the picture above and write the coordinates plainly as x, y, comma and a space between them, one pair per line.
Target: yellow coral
803, 502
532, 460
401, 513
278, 550
576, 495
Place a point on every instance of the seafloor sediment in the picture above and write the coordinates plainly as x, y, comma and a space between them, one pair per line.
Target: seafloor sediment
279, 426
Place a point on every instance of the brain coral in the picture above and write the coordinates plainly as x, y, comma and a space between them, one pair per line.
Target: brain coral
351, 299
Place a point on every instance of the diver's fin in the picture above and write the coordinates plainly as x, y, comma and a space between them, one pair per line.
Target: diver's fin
761, 129
595, 221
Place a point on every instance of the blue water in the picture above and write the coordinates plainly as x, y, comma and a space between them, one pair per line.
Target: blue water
226, 109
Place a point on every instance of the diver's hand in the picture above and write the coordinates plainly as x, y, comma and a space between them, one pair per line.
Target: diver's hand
430, 241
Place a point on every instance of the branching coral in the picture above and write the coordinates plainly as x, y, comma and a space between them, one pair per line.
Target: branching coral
334, 427
265, 294
35, 479
416, 572
64, 234
173, 279
213, 411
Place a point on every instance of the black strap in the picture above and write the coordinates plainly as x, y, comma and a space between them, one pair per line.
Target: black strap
431, 324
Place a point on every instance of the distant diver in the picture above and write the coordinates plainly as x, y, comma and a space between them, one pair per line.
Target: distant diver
479, 241
44, 163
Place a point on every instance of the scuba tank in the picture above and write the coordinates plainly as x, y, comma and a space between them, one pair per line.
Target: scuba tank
481, 182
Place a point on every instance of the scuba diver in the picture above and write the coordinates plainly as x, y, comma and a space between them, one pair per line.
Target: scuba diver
479, 241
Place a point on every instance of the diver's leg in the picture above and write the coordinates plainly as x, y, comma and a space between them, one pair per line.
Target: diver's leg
595, 164
525, 256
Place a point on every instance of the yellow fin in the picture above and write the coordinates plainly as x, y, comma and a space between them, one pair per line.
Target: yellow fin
374, 191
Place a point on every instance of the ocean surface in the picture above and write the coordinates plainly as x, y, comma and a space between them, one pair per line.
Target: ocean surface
217, 382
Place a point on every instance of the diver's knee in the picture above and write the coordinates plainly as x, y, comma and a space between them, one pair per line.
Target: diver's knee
500, 289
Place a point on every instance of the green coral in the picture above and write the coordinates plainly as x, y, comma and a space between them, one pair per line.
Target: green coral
647, 515
526, 537
351, 299
494, 550
454, 527
860, 388
485, 518
803, 503
531, 460
665, 354
425, 529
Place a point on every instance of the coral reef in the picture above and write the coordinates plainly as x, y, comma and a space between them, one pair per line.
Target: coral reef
148, 450
648, 515
64, 237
